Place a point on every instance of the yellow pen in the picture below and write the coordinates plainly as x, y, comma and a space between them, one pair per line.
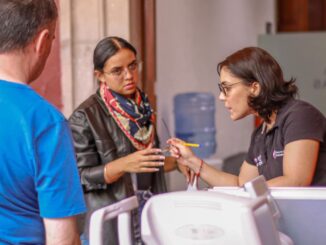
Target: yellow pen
191, 144
167, 148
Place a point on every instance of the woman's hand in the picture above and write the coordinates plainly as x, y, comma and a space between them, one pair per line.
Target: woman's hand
180, 151
187, 172
184, 155
171, 163
143, 161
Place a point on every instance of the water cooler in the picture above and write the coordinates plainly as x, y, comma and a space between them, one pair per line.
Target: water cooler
194, 115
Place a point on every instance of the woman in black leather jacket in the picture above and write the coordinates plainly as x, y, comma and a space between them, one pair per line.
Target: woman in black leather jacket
115, 138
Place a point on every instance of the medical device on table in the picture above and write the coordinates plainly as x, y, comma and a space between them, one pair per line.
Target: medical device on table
299, 212
224, 215
203, 217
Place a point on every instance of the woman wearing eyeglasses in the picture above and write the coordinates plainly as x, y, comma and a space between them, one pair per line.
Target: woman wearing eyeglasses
115, 138
288, 148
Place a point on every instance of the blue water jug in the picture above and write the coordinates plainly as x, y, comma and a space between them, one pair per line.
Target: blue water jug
194, 115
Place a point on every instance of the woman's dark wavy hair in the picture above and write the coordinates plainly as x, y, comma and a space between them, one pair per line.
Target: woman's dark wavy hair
108, 47
254, 64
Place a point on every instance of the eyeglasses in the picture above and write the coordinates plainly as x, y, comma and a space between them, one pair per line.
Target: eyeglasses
118, 72
225, 89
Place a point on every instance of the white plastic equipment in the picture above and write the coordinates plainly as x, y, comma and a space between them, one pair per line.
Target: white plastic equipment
302, 211
122, 211
202, 217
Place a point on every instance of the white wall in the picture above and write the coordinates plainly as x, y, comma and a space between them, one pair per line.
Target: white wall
192, 37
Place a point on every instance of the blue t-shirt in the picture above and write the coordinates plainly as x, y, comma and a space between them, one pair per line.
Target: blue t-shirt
38, 171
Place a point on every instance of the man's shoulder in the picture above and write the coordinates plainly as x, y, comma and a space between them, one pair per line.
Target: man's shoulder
41, 109
20, 100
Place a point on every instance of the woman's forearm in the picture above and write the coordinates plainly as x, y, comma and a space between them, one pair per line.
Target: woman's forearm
215, 177
211, 175
113, 171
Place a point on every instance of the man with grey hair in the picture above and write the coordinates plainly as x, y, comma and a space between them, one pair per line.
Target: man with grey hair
40, 191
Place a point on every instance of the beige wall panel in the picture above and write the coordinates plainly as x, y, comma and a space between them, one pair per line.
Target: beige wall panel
87, 29
118, 22
66, 56
82, 24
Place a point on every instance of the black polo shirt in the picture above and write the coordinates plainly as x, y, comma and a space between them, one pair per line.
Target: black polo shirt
294, 121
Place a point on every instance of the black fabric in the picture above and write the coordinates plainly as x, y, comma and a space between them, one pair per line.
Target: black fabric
296, 120
142, 197
98, 140
232, 164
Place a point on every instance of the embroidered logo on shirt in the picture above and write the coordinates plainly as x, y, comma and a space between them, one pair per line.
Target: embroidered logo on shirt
278, 154
258, 160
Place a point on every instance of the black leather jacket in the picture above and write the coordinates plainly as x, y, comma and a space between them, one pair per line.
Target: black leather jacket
98, 140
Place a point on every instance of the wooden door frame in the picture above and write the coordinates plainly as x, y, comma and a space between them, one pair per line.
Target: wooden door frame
143, 36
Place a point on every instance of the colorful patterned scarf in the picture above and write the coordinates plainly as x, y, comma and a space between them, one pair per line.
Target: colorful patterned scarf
134, 117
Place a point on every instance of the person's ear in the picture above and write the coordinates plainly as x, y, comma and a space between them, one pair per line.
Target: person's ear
255, 89
99, 75
41, 41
